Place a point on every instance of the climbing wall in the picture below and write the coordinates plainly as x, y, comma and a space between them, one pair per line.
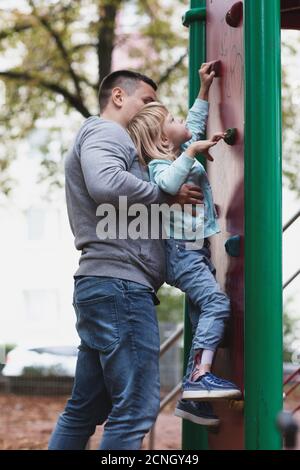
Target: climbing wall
226, 174
290, 14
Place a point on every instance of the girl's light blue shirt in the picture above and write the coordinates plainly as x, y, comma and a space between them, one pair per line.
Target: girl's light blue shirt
170, 176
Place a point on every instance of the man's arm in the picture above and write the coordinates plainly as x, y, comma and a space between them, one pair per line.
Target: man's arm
105, 160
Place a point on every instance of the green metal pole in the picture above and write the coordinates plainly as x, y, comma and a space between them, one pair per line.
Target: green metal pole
263, 225
194, 437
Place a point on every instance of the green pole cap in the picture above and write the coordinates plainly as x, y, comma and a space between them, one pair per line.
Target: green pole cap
194, 14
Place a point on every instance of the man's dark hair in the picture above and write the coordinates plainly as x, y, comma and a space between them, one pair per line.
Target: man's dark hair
125, 79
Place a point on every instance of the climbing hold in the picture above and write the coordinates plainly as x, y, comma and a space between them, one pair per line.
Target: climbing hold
213, 429
235, 15
231, 136
288, 427
216, 67
233, 246
237, 405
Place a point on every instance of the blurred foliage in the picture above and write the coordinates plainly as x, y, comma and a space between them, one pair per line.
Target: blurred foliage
291, 333
171, 305
291, 121
9, 347
4, 350
57, 53
54, 370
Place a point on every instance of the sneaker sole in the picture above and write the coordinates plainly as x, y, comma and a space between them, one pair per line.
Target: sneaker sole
196, 419
211, 394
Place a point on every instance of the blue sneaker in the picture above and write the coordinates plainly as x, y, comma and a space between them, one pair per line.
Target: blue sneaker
197, 412
210, 387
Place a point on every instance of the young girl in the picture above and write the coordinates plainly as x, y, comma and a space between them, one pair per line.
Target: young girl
169, 147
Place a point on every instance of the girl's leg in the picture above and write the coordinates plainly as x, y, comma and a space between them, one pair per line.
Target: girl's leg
209, 307
200, 361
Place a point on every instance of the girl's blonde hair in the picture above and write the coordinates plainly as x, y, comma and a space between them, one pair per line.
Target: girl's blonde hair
146, 131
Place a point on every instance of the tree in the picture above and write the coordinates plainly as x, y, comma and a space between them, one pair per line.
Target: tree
59, 51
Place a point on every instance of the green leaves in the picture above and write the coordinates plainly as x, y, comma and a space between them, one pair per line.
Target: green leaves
58, 52
290, 114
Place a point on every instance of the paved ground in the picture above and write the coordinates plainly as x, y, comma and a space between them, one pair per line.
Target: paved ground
27, 421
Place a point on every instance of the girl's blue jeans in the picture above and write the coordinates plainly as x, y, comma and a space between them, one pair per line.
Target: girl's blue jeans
209, 308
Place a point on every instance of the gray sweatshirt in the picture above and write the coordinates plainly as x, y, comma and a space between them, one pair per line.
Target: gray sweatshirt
101, 166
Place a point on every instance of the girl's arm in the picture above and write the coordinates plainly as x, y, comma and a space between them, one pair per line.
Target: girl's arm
170, 176
198, 114
196, 121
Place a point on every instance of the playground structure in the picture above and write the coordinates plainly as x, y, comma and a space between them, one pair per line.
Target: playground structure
246, 178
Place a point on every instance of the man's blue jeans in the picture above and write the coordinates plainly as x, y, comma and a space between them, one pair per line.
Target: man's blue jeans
117, 373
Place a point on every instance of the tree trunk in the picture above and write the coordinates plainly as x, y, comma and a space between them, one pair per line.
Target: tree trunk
106, 35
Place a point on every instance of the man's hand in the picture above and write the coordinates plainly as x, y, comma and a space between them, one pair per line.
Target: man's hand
188, 194
206, 78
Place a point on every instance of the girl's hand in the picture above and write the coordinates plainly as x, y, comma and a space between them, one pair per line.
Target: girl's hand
218, 136
203, 146
206, 79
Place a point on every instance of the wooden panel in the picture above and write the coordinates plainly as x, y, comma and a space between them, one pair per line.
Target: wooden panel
226, 175
290, 14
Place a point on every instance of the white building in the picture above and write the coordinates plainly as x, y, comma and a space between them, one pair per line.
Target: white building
38, 260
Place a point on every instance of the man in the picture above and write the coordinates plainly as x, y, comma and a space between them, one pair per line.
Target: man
117, 374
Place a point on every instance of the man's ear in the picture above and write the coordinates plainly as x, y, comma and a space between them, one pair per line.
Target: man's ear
117, 96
